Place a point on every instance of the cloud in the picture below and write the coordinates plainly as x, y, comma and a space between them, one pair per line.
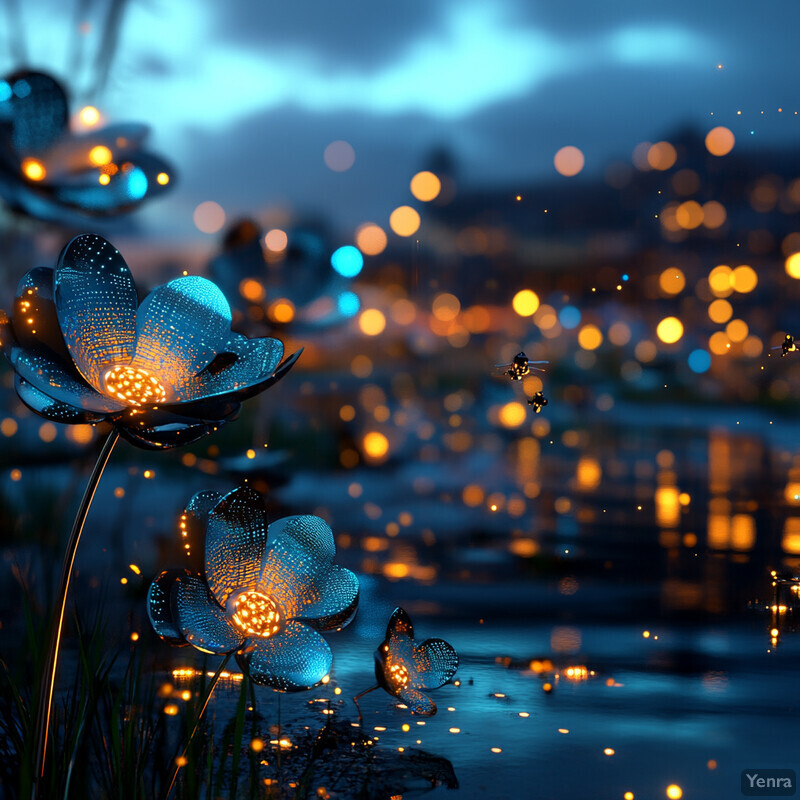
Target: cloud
478, 56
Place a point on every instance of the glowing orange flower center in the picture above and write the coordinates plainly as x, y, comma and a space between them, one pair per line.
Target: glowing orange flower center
134, 386
257, 615
398, 674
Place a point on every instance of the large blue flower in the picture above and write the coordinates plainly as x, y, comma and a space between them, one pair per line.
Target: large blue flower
264, 591
50, 173
407, 669
165, 374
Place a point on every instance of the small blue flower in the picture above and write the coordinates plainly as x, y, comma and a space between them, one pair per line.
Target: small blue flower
50, 173
164, 374
406, 669
264, 591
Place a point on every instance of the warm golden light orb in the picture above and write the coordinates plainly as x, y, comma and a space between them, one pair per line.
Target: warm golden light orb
257, 615
34, 170
134, 386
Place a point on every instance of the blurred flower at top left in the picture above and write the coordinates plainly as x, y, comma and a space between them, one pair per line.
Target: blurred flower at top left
164, 374
49, 172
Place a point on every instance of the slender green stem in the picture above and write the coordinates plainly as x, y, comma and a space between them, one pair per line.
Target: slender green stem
48, 681
211, 686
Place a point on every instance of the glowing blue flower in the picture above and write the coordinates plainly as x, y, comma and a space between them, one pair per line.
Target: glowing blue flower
164, 374
407, 669
50, 173
264, 592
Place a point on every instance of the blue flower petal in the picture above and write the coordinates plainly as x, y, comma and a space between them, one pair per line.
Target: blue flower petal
168, 435
96, 303
41, 368
312, 533
417, 702
180, 328
200, 619
331, 601
436, 663
299, 554
35, 320
52, 409
159, 606
39, 111
235, 539
293, 660
249, 362
226, 403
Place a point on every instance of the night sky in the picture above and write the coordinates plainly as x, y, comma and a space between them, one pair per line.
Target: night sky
245, 96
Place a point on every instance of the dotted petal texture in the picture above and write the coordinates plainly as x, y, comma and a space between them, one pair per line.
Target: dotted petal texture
96, 303
159, 606
180, 328
293, 660
200, 619
236, 535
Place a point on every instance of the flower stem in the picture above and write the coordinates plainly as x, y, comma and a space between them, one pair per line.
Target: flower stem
211, 686
48, 680
355, 700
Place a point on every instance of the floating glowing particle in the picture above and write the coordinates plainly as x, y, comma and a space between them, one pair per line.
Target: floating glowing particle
568, 161
375, 445
103, 179
339, 156
674, 792
720, 311
699, 361
282, 310
8, 427
252, 290
792, 266
669, 330
372, 322
171, 710
100, 155
646, 634
689, 215
714, 214
404, 221
609, 751
425, 186
525, 302
737, 330
89, 116
627, 796
276, 240
347, 261
563, 730
720, 280
455, 730
672, 281
590, 337
744, 279
720, 141
47, 432
33, 170
209, 217
497, 750
446, 307
512, 414
371, 239
662, 156
162, 178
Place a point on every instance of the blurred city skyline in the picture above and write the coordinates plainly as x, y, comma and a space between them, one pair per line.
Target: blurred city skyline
245, 98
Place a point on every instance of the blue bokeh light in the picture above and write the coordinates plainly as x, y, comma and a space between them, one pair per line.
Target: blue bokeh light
569, 317
348, 303
5, 91
136, 187
699, 361
347, 261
